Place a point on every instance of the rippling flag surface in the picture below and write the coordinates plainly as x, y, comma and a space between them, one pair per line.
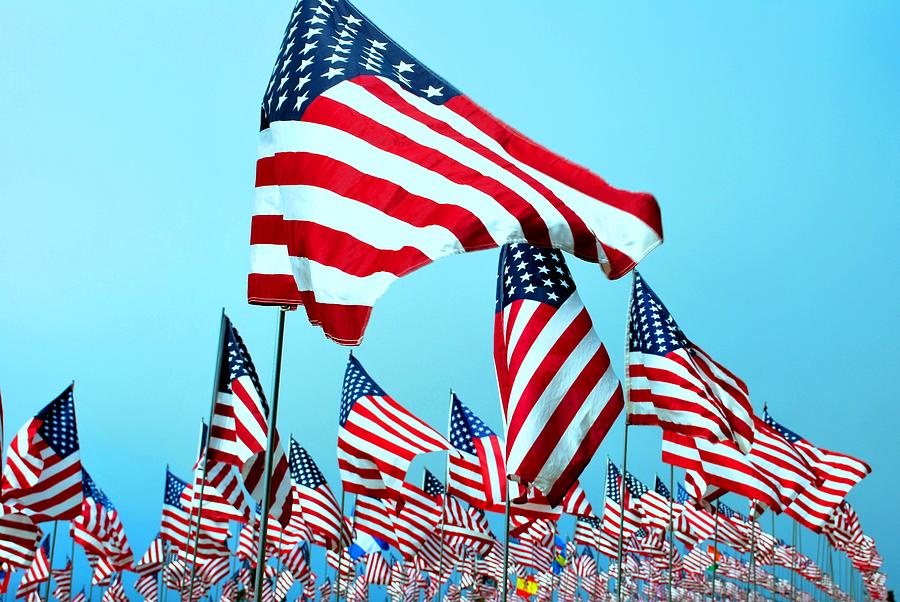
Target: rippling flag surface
319, 506
477, 472
371, 166
674, 384
558, 390
42, 476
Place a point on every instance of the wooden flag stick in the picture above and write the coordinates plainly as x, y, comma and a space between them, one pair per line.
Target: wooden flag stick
270, 452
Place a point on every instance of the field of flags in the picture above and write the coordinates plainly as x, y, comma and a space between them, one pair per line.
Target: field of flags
370, 167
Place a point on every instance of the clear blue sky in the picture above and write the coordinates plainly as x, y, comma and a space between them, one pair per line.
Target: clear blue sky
770, 134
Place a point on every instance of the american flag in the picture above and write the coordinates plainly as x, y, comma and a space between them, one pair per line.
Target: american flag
415, 516
615, 509
558, 390
148, 587
224, 495
42, 476
80, 597
319, 506
676, 385
378, 571
283, 584
837, 473
297, 561
175, 520
99, 528
38, 572
63, 579
19, 537
694, 524
371, 166
152, 560
477, 473
239, 430
654, 507
377, 437
213, 570
467, 527
372, 517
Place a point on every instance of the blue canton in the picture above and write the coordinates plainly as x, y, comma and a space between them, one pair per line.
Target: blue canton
651, 328
785, 432
592, 521
330, 41
174, 489
431, 484
303, 468
58, 426
236, 362
357, 383
613, 482
528, 272
729, 512
465, 426
92, 491
635, 487
662, 490
683, 497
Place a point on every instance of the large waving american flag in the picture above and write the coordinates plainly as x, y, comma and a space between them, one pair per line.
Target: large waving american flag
371, 166
377, 437
558, 390
239, 430
42, 476
674, 384
19, 537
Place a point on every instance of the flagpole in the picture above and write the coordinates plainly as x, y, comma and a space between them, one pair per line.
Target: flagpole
715, 548
160, 588
622, 512
212, 407
671, 524
626, 389
340, 570
50, 561
72, 568
437, 595
753, 554
270, 452
506, 546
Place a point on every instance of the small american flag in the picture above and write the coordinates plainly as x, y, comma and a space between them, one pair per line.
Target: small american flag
319, 506
239, 430
42, 476
674, 384
377, 437
477, 472
371, 166
152, 560
836, 473
38, 572
558, 390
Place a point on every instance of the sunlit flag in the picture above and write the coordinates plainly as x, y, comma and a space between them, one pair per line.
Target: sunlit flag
372, 166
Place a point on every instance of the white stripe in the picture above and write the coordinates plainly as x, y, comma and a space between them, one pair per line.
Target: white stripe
527, 307
364, 222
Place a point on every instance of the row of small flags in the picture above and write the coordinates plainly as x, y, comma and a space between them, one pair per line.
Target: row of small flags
389, 512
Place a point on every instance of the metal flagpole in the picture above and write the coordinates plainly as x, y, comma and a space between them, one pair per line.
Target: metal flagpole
50, 561
622, 513
437, 595
506, 546
793, 554
212, 407
626, 389
671, 524
753, 555
715, 548
91, 589
340, 569
161, 584
270, 452
72, 568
